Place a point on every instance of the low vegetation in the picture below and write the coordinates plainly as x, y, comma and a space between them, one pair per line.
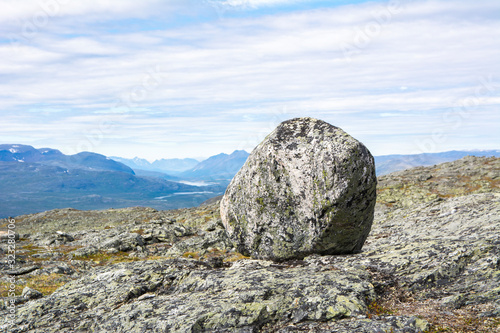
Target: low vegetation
422, 197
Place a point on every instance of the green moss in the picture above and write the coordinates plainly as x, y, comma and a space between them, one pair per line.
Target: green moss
377, 309
326, 179
102, 258
256, 241
194, 255
262, 207
46, 284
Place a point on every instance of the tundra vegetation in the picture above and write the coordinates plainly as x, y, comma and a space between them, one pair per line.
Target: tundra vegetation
430, 264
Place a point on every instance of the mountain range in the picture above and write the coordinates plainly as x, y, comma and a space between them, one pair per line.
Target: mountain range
218, 168
53, 157
224, 166
390, 163
34, 180
221, 167
171, 166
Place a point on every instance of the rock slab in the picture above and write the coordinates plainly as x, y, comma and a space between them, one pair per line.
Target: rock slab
309, 187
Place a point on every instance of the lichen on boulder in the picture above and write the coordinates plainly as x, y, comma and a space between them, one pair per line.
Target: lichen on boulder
309, 187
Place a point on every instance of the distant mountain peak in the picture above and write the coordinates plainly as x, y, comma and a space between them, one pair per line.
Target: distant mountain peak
140, 161
171, 166
53, 157
220, 166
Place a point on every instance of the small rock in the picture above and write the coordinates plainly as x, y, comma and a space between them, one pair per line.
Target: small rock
211, 226
146, 296
85, 251
30, 293
56, 238
215, 239
44, 255
216, 262
454, 301
23, 270
180, 231
123, 242
63, 268
163, 235
64, 236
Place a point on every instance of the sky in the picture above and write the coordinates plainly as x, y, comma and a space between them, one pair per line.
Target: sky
194, 78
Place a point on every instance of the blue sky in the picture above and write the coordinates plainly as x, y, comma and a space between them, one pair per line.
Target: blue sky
185, 78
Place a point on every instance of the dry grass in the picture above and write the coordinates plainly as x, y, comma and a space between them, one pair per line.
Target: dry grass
46, 284
235, 256
103, 258
216, 253
376, 309
138, 231
29, 250
5, 289
225, 255
33, 249
193, 255
464, 320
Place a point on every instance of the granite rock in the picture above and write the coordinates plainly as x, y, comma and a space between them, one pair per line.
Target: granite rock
309, 187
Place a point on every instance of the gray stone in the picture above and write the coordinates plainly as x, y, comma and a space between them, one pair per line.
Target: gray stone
309, 187
392, 324
61, 269
30, 293
189, 296
22, 270
123, 242
163, 235
56, 239
201, 244
64, 237
85, 251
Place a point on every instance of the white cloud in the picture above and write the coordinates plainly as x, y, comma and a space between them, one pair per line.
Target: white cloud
233, 75
37, 11
245, 4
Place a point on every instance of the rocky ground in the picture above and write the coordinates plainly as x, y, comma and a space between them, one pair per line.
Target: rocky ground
430, 264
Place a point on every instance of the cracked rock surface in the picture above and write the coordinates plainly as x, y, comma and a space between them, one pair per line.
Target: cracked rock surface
430, 266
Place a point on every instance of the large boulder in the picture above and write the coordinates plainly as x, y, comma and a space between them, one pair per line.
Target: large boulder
309, 187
